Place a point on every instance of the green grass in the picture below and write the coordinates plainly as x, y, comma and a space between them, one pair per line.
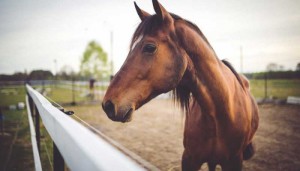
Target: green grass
46, 149
17, 142
62, 95
16, 124
22, 150
101, 87
11, 95
275, 88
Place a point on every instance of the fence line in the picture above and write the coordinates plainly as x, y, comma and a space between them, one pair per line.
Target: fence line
132, 155
80, 148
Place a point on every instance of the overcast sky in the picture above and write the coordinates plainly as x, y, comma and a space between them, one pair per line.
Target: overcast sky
35, 33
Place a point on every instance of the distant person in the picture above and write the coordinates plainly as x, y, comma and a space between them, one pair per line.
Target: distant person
92, 85
92, 82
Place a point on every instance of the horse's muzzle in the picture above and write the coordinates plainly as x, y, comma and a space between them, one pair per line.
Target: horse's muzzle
123, 114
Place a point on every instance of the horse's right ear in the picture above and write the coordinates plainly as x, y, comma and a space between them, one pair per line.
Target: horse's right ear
161, 12
142, 14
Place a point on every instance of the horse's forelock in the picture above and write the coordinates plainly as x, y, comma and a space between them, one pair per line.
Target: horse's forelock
148, 26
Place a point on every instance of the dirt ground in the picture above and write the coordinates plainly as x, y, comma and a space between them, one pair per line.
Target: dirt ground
156, 134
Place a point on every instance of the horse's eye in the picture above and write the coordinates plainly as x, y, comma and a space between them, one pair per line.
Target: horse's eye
149, 48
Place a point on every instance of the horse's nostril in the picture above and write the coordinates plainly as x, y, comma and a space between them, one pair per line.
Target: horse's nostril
109, 108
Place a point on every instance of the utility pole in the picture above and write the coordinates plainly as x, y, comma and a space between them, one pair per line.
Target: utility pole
111, 51
107, 24
55, 69
266, 85
73, 90
241, 60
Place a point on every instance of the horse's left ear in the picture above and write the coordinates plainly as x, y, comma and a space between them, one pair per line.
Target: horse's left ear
161, 11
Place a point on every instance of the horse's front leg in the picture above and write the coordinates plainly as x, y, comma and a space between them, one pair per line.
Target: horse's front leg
233, 164
189, 163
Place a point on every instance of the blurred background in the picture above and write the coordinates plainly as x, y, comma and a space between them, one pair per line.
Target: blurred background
69, 50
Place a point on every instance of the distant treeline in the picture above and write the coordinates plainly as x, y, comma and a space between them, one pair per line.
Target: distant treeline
274, 75
47, 75
34, 75
40, 75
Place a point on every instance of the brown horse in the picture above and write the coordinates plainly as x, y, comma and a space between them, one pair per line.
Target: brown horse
167, 53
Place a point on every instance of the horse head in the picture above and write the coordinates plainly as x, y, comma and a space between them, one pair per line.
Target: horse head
155, 64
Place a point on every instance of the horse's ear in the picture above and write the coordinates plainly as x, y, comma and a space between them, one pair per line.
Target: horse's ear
160, 10
142, 14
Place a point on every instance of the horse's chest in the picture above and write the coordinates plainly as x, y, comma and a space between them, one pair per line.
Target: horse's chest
199, 137
206, 146
209, 141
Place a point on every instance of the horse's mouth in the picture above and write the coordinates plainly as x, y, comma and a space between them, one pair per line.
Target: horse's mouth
128, 116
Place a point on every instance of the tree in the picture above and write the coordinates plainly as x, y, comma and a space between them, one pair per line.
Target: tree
40, 75
94, 62
298, 67
18, 76
272, 67
66, 72
281, 68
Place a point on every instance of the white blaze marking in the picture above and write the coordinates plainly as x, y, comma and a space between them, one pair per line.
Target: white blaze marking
136, 41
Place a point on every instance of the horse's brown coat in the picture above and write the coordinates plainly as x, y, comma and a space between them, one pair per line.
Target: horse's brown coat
221, 115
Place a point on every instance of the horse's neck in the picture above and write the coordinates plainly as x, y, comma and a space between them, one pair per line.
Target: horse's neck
210, 86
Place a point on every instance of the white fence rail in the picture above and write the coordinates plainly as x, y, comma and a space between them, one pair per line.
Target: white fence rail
36, 155
80, 148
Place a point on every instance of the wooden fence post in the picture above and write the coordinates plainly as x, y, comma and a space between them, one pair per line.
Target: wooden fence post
73, 91
266, 86
2, 121
58, 160
31, 105
37, 128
